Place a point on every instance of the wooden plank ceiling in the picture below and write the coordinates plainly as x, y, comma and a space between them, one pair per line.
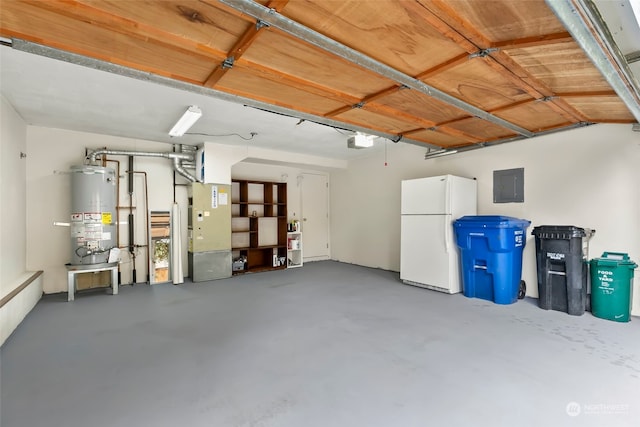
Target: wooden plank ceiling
512, 59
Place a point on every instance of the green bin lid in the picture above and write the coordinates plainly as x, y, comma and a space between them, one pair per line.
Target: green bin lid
615, 258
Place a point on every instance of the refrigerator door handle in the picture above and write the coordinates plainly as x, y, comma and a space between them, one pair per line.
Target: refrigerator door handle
447, 195
447, 226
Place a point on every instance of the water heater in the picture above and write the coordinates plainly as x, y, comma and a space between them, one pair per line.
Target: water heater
93, 214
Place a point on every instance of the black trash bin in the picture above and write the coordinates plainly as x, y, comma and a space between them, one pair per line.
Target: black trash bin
561, 258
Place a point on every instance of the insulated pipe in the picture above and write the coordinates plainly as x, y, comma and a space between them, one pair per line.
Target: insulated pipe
177, 159
117, 162
132, 249
146, 206
576, 17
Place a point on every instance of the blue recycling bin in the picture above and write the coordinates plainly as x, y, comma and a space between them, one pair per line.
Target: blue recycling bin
491, 256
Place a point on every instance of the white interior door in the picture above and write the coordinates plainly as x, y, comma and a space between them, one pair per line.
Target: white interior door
315, 216
425, 250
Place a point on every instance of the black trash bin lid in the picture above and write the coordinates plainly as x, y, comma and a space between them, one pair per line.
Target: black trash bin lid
561, 232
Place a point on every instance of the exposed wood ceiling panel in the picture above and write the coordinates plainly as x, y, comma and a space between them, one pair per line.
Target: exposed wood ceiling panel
191, 22
602, 108
484, 130
562, 67
440, 139
245, 83
375, 120
546, 116
388, 30
450, 73
477, 83
418, 104
292, 57
498, 20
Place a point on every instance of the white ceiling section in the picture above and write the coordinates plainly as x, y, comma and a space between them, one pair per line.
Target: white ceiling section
53, 93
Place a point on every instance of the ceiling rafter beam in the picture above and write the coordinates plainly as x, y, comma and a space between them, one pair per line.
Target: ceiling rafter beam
500, 61
584, 22
233, 55
513, 105
241, 46
353, 102
366, 103
296, 82
477, 46
444, 66
367, 99
595, 94
565, 109
314, 38
558, 105
543, 40
442, 27
125, 26
446, 131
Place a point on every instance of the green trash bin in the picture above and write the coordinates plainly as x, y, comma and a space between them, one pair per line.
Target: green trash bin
612, 286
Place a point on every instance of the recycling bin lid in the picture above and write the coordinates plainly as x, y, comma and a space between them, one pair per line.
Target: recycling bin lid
490, 221
561, 232
614, 259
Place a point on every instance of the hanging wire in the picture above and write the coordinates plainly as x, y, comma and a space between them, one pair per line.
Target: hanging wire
385, 152
252, 135
342, 133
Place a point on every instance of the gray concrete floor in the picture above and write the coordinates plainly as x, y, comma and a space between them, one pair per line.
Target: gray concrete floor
329, 344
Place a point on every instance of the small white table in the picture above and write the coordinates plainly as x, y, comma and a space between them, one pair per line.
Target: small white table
72, 270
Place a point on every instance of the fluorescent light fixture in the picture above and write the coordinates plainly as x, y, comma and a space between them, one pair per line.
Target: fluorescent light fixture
439, 153
187, 120
360, 140
635, 6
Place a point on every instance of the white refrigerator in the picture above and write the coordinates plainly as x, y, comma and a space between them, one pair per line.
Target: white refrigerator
428, 252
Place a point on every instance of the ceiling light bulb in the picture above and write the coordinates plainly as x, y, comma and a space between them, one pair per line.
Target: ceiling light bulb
187, 120
360, 140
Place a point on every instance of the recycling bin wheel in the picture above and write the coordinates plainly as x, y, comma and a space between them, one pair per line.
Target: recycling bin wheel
522, 289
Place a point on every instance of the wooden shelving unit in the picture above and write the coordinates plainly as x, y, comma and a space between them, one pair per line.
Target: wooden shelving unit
258, 225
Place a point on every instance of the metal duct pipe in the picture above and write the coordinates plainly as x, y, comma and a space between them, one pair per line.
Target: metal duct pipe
176, 157
578, 17
182, 171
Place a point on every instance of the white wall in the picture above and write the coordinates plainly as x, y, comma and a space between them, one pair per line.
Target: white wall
54, 151
587, 177
13, 255
13, 132
51, 153
278, 173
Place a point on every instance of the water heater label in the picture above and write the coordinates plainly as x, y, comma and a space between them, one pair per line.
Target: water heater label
93, 234
92, 217
214, 197
106, 218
